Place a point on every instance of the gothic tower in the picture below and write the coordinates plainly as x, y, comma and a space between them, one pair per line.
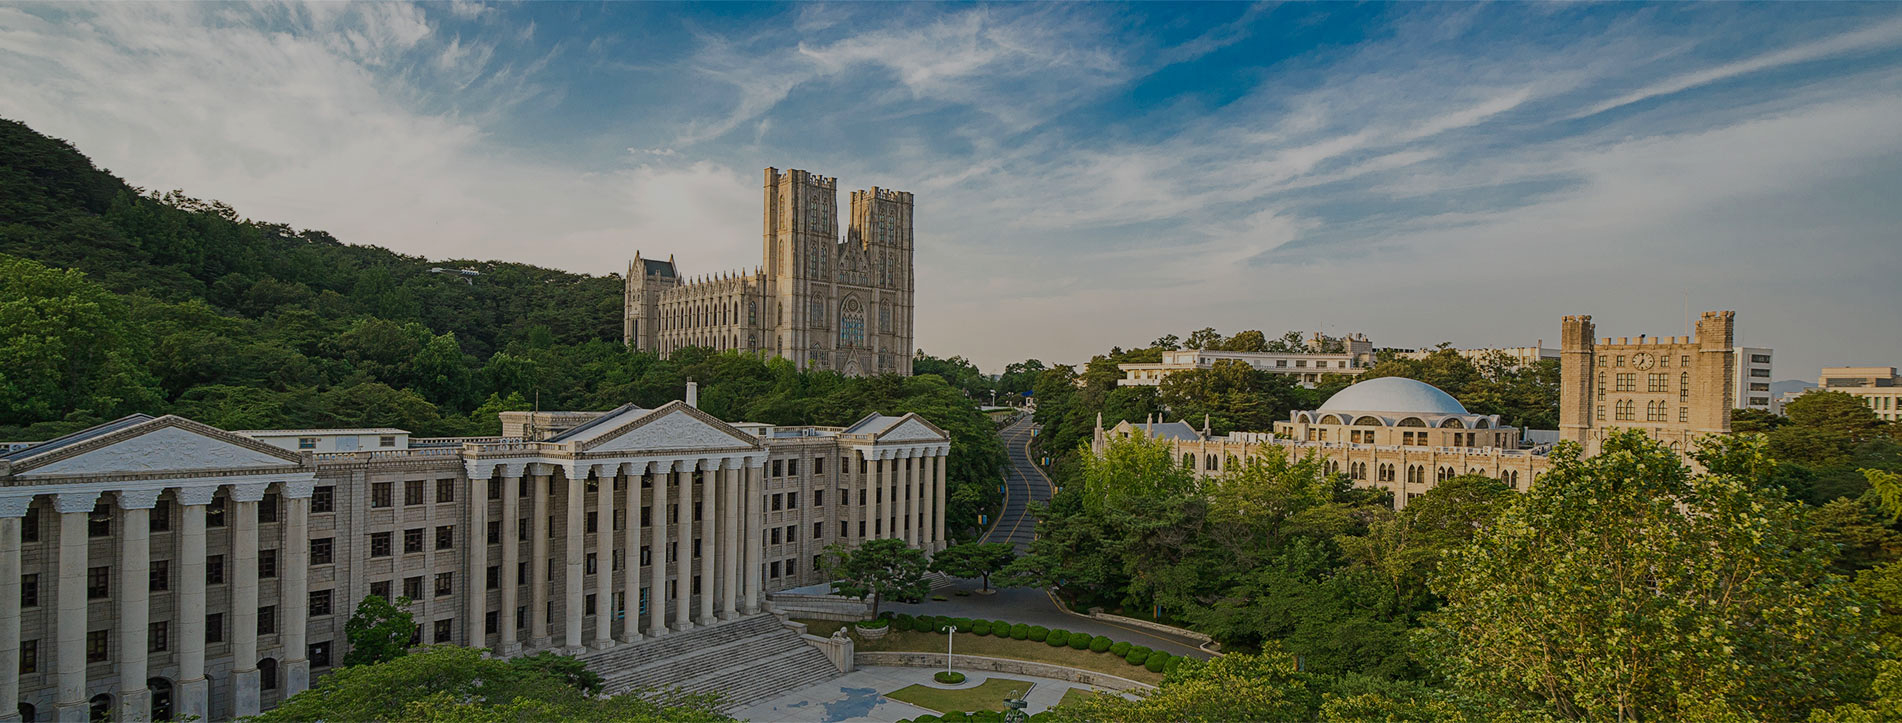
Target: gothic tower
845, 306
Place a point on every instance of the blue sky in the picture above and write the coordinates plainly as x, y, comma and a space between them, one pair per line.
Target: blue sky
1087, 174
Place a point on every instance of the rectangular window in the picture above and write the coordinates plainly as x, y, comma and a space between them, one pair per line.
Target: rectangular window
387, 440
587, 605
98, 647
778, 502
413, 587
157, 638
29, 656
267, 508
214, 569
380, 494
413, 492
494, 577
792, 500
306, 442
267, 620
818, 466
160, 579
792, 468
445, 584
587, 564
379, 544
491, 622
495, 532
319, 602
495, 489
161, 520
779, 468
215, 513
1683, 414
267, 564
323, 499
774, 570
818, 530
445, 491
412, 540
445, 537
319, 654
323, 550
792, 533
818, 498
444, 630
381, 588
215, 628
775, 539
30, 590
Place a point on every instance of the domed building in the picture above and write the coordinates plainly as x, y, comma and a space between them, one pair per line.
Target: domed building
1396, 434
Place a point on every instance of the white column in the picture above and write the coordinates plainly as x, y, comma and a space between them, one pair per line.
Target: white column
246, 697
134, 602
657, 551
751, 574
907, 519
11, 510
475, 545
574, 550
70, 702
631, 579
683, 546
938, 500
538, 560
511, 559
604, 556
709, 538
878, 528
862, 511
192, 699
730, 545
294, 592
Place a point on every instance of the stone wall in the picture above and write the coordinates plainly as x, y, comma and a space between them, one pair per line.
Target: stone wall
820, 607
1003, 665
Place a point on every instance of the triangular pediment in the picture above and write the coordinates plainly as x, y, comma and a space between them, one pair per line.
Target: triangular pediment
674, 426
913, 429
165, 445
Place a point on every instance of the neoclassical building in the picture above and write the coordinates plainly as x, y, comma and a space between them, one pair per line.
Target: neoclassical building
819, 300
155, 567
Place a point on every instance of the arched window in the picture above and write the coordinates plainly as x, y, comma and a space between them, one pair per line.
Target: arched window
1452, 423
1482, 424
29, 714
1188, 461
851, 322
1369, 421
1412, 422
1330, 419
160, 691
267, 674
101, 707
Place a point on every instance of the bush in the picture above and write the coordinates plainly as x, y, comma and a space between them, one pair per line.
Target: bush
904, 621
1137, 655
1039, 633
1057, 639
1174, 662
874, 624
963, 623
1002, 627
1020, 631
981, 627
1119, 649
1156, 661
939, 598
948, 677
1082, 641
961, 593
1101, 643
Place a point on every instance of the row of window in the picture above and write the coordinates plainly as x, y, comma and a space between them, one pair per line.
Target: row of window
1626, 410
1664, 360
382, 494
158, 639
99, 579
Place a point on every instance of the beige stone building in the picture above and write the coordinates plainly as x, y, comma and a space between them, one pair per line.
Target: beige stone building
1675, 388
157, 567
822, 302
1517, 355
1308, 368
1878, 387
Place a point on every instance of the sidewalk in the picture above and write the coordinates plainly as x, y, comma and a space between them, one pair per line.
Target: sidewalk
858, 697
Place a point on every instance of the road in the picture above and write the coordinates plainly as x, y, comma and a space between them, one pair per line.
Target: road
1023, 483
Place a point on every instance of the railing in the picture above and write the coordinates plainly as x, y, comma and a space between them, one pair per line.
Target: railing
366, 456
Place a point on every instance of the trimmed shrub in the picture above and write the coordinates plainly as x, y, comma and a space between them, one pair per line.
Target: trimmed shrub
981, 627
933, 625
1174, 662
1020, 631
874, 624
948, 677
1057, 639
904, 621
1081, 641
1119, 649
1156, 661
1039, 633
1101, 643
1137, 655
962, 623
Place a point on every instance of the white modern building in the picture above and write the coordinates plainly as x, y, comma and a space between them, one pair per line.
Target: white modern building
1752, 378
1307, 367
1877, 387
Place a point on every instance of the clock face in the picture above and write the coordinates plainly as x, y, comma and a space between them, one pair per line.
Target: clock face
1642, 360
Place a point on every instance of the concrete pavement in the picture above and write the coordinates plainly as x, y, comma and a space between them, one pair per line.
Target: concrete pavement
859, 696
1032, 606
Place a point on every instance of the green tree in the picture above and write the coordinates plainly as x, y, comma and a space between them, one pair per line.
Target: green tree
1236, 687
378, 631
878, 569
974, 559
1625, 586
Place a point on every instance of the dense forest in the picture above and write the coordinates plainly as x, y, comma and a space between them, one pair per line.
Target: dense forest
117, 300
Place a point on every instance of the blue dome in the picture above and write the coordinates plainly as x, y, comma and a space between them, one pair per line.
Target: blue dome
1393, 394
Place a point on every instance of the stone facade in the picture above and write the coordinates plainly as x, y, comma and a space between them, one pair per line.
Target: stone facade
157, 567
816, 300
1675, 388
1306, 367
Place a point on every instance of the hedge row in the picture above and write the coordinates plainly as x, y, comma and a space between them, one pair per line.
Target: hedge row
1156, 661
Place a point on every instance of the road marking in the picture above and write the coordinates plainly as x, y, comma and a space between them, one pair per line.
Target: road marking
1033, 465
1002, 508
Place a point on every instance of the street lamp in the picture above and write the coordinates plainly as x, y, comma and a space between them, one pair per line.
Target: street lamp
950, 635
1016, 707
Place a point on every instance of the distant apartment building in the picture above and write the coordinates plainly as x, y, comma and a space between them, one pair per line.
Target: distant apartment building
1751, 378
1357, 357
1878, 387
1519, 355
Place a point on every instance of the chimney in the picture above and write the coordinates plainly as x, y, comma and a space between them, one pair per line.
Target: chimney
693, 394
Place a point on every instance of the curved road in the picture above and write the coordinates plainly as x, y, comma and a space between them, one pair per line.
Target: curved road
1023, 483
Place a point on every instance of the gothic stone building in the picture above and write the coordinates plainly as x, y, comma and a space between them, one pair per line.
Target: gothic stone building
157, 567
816, 300
1406, 436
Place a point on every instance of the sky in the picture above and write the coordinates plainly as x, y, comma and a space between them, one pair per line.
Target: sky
1085, 175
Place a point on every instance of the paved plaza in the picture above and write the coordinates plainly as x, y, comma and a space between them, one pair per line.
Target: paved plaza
858, 697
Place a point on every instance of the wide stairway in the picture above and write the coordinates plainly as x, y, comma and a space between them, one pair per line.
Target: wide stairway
745, 660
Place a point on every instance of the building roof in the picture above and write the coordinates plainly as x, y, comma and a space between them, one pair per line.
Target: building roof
873, 424
76, 437
652, 266
1171, 430
296, 432
1393, 394
594, 427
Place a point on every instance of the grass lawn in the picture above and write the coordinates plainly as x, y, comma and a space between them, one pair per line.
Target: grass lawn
988, 695
995, 647
1077, 695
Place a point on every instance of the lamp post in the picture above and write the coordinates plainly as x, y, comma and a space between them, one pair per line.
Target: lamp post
950, 635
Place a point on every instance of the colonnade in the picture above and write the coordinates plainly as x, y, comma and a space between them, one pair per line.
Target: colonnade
728, 510
129, 572
904, 493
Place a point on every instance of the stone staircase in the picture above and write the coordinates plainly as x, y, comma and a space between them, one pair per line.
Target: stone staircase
746, 660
